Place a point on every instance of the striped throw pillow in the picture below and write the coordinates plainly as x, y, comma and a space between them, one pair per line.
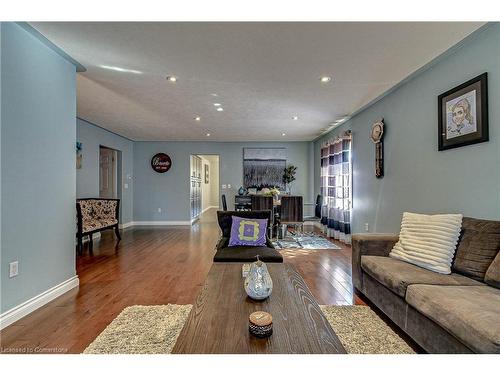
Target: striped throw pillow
428, 241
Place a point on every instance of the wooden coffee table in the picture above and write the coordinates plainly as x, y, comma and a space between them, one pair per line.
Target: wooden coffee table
218, 322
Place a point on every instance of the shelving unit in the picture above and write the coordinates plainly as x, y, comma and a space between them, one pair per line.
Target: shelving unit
195, 184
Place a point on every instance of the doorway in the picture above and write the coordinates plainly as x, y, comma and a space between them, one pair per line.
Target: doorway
205, 193
108, 172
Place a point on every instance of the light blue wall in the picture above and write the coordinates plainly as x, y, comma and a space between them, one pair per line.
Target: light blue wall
38, 111
87, 178
170, 191
417, 177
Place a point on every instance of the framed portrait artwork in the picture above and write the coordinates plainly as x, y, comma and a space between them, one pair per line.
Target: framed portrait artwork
463, 114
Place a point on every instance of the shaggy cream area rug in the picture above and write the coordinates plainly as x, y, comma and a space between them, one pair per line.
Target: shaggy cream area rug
142, 330
361, 331
154, 330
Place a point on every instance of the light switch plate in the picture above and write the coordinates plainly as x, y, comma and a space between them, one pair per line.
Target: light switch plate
13, 269
125, 186
229, 186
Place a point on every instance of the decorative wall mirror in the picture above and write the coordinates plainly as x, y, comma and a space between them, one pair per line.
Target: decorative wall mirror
377, 135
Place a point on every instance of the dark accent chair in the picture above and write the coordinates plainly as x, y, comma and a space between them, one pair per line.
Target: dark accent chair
455, 313
317, 210
244, 253
224, 203
95, 215
261, 202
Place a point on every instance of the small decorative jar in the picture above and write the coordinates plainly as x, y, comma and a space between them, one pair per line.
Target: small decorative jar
260, 324
258, 283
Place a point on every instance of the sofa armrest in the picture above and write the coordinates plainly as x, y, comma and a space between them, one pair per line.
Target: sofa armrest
222, 243
269, 243
379, 244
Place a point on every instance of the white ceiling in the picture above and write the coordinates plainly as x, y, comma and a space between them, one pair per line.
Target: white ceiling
263, 73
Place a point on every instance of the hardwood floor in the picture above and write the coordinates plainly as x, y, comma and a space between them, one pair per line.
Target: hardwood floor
152, 266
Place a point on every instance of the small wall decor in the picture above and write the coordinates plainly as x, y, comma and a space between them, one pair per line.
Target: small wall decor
377, 135
161, 163
463, 114
79, 155
207, 174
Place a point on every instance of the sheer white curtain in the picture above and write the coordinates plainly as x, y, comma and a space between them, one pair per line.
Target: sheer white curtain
336, 177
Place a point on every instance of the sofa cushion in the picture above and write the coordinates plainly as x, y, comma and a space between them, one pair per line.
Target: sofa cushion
428, 241
478, 246
225, 218
247, 254
248, 232
397, 275
492, 276
470, 313
94, 224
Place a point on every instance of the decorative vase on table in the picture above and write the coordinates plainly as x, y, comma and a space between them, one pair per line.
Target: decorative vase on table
258, 283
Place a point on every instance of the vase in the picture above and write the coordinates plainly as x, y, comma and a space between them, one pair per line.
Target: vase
258, 283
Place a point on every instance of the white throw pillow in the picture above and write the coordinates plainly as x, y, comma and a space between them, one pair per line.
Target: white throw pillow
428, 241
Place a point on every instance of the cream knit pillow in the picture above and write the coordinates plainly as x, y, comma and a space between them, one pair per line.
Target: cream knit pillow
428, 241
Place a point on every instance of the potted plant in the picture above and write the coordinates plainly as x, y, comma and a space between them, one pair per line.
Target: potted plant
289, 176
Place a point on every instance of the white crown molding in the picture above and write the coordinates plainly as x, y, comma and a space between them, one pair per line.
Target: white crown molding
16, 313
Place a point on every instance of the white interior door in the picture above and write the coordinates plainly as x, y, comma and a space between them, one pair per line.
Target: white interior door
107, 173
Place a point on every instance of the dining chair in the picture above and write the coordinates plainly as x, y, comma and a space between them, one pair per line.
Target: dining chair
292, 211
317, 210
261, 202
224, 203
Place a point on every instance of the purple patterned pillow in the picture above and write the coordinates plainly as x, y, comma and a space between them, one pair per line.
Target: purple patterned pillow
248, 232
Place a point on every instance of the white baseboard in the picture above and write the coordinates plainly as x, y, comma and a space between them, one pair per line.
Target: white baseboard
16, 313
208, 208
126, 225
160, 223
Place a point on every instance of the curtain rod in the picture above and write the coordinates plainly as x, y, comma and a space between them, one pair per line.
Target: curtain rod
346, 135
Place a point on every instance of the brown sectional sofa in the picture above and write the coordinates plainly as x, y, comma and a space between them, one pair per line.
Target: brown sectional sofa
456, 313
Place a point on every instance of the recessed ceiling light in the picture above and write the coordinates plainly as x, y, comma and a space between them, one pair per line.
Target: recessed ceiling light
208, 134
214, 94
295, 117
283, 134
220, 109
325, 79
172, 79
197, 118
217, 104
118, 69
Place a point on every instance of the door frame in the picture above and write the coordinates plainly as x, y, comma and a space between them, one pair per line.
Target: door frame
219, 190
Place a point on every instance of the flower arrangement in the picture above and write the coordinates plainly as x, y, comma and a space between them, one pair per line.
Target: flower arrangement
275, 191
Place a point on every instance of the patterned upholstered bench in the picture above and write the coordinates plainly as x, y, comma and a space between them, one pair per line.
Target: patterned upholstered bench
95, 215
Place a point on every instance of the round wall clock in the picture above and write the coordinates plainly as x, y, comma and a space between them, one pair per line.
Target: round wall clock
377, 131
161, 162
